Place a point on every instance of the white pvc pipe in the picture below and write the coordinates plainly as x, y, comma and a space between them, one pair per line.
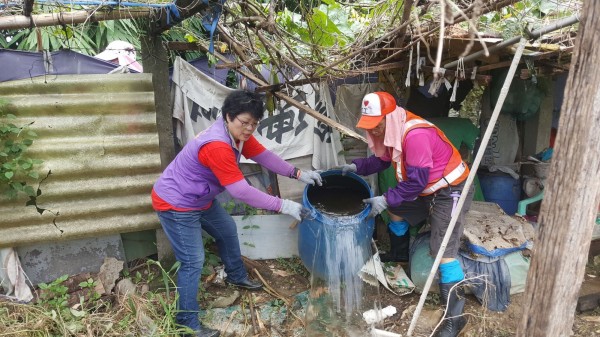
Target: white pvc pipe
383, 333
470, 178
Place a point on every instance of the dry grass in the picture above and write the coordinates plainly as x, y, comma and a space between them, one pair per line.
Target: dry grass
131, 315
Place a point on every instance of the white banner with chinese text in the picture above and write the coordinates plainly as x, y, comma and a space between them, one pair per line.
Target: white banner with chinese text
290, 133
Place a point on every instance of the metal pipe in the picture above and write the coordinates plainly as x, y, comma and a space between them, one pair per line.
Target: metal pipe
532, 35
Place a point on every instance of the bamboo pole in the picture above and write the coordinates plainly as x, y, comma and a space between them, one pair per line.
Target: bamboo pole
69, 18
470, 178
532, 35
314, 113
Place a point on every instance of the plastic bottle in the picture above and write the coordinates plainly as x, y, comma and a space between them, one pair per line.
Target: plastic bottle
373, 316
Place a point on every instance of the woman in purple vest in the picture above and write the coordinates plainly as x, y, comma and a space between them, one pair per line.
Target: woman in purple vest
184, 198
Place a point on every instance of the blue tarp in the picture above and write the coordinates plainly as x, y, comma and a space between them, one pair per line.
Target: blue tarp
17, 64
493, 282
201, 63
488, 278
499, 251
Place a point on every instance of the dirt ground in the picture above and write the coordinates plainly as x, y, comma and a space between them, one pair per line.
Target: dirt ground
286, 278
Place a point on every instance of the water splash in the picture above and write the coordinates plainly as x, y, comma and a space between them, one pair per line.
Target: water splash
339, 297
345, 255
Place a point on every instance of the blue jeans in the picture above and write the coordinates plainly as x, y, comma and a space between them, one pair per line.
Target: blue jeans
184, 230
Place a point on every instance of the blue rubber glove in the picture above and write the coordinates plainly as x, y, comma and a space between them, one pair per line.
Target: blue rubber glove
310, 178
348, 168
378, 205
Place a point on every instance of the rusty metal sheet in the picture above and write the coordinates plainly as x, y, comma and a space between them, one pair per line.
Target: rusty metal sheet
98, 138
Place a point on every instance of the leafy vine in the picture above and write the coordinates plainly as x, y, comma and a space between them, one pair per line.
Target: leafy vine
17, 169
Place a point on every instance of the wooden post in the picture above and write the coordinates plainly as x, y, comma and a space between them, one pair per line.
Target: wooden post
156, 61
572, 195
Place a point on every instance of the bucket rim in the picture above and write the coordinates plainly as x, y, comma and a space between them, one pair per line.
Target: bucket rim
319, 216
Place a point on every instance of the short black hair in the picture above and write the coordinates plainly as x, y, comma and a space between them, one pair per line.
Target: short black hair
242, 101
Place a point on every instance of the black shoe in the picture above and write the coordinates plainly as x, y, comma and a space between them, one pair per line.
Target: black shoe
207, 332
246, 284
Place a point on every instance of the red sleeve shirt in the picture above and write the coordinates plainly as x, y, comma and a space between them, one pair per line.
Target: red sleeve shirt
252, 148
220, 158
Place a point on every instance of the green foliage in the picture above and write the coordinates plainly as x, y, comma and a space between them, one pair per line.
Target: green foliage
89, 38
16, 168
3, 42
166, 276
105, 32
229, 206
211, 260
53, 38
278, 303
249, 244
293, 265
245, 210
55, 293
190, 30
327, 25
512, 20
324, 31
471, 106
90, 285
136, 278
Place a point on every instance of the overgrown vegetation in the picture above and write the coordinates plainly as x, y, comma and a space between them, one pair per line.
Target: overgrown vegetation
144, 306
17, 169
85, 313
317, 38
526, 14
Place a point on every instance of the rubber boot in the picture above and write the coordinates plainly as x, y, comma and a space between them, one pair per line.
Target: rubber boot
454, 322
398, 248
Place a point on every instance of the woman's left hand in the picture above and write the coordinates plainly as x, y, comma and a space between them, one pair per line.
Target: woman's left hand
310, 177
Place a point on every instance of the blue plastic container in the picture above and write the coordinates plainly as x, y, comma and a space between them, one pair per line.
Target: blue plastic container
311, 231
502, 189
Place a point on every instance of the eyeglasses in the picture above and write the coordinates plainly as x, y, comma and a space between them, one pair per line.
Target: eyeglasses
247, 125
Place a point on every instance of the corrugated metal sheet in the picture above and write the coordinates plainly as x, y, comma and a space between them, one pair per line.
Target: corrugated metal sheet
97, 135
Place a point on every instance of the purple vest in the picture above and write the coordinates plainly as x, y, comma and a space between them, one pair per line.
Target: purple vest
186, 183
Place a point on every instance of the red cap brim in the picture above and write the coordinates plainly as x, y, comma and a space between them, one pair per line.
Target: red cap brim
369, 122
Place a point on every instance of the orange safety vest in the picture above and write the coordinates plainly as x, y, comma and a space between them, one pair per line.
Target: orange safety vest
456, 170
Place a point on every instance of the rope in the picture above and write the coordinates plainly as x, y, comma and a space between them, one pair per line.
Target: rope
437, 82
407, 81
459, 74
474, 73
